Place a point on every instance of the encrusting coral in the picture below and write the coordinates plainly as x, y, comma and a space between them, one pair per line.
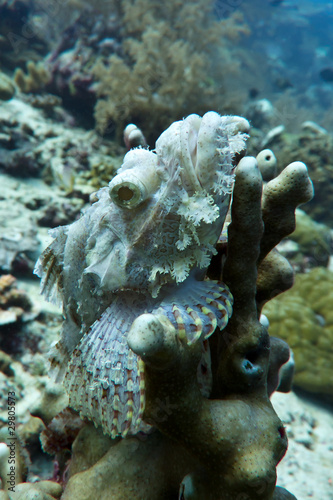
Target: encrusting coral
303, 317
146, 338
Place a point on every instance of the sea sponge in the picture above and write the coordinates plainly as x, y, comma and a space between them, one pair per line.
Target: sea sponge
225, 446
149, 348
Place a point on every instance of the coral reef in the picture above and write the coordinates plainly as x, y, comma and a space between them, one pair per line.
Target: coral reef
313, 243
316, 150
144, 62
18, 239
34, 80
164, 70
33, 145
200, 397
7, 89
308, 426
23, 373
90, 35
205, 392
13, 302
29, 30
304, 141
303, 317
20, 37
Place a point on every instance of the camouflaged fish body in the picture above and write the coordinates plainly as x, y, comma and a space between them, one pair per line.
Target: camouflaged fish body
144, 246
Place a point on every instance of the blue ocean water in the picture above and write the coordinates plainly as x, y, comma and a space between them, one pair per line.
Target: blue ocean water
289, 49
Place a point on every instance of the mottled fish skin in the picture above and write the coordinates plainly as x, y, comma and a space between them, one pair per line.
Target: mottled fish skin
144, 246
196, 308
104, 378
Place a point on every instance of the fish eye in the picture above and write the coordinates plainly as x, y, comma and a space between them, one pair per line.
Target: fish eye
126, 195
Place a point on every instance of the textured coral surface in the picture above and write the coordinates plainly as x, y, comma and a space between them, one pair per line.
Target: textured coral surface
303, 317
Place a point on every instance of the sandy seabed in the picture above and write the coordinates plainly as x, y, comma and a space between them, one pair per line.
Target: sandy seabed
307, 469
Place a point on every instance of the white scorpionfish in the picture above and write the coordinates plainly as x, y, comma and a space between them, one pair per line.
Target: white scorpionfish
144, 246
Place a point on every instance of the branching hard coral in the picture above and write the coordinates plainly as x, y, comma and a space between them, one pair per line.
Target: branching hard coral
167, 65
